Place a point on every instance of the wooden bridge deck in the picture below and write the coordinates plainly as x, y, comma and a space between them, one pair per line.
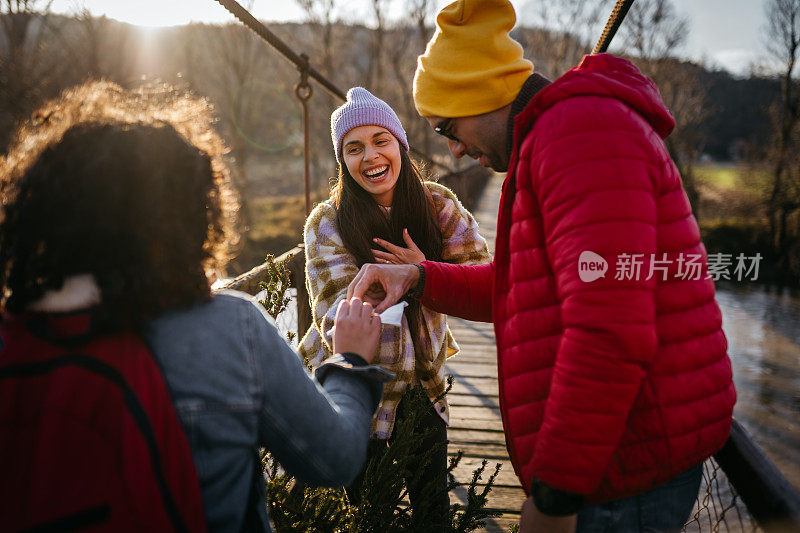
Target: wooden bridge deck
475, 426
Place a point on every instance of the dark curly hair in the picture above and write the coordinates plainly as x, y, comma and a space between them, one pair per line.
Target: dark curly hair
130, 187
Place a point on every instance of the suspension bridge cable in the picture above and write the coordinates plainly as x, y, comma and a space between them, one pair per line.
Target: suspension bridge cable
274, 41
300, 61
613, 24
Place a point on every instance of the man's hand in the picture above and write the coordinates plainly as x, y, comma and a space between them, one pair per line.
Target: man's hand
357, 329
534, 521
394, 280
397, 255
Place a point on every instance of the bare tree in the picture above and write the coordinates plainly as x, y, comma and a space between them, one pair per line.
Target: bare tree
783, 45
420, 13
653, 30
563, 32
375, 73
653, 33
23, 72
320, 16
97, 47
245, 80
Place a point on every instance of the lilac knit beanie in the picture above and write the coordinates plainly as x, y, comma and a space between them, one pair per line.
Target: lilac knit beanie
363, 109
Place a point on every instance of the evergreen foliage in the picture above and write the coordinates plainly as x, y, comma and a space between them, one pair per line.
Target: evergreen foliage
278, 282
380, 504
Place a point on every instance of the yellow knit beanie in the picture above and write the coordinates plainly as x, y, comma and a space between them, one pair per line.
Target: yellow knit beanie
471, 65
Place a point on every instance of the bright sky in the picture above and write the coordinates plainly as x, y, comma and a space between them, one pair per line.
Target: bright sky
724, 33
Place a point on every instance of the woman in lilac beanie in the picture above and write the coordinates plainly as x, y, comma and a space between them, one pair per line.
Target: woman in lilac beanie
381, 211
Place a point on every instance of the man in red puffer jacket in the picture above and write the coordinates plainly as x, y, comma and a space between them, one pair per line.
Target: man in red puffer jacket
615, 383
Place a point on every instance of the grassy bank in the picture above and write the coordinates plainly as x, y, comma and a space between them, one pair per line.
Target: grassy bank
733, 217
276, 225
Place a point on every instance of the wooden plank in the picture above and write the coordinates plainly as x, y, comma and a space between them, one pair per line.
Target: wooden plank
475, 436
490, 424
477, 343
480, 451
459, 414
461, 324
472, 400
476, 354
475, 386
471, 367
506, 477
471, 370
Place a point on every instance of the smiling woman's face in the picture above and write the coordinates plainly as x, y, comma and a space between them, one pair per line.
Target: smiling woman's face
372, 156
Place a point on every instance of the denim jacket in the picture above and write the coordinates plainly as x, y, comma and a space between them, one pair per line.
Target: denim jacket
237, 386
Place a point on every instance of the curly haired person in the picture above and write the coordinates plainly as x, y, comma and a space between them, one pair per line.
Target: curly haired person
116, 208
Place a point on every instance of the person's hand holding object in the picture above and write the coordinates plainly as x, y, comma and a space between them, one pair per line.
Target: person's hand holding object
393, 281
357, 329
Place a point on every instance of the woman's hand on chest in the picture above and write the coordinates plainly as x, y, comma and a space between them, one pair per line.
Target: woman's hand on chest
398, 255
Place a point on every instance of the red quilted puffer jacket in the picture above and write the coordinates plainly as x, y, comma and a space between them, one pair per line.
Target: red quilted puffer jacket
613, 386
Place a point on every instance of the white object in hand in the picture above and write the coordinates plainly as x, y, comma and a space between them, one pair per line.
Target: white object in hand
394, 315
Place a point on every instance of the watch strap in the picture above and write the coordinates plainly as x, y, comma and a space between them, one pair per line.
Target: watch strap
555, 502
419, 289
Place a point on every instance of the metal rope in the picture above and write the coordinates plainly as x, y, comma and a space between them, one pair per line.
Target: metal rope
303, 91
274, 41
613, 24
301, 62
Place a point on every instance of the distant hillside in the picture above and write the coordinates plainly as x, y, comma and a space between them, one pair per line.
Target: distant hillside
234, 69
740, 115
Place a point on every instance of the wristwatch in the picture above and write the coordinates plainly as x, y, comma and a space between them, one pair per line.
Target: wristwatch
555, 502
416, 292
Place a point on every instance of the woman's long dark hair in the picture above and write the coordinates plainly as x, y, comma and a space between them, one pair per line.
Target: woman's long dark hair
360, 219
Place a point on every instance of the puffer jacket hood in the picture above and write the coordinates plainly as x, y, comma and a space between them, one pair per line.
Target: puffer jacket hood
604, 75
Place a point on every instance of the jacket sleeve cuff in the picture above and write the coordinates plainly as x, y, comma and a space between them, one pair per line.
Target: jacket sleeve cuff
555, 502
355, 365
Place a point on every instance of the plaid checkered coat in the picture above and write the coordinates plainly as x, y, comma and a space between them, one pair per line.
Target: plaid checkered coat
329, 270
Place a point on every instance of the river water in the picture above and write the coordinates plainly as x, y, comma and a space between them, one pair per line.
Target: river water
763, 330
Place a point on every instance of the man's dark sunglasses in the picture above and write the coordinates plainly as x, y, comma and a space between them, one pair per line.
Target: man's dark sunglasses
443, 128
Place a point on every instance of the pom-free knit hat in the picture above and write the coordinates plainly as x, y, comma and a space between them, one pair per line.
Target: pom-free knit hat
471, 65
363, 109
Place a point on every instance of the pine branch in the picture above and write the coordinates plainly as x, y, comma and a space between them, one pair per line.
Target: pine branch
275, 299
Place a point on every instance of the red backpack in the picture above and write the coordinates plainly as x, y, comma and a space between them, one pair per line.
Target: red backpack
89, 438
